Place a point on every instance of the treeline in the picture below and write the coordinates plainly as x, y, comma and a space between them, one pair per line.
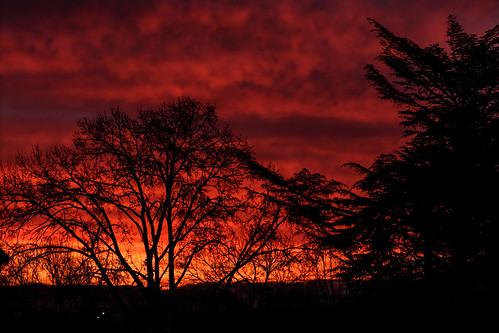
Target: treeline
158, 200
169, 197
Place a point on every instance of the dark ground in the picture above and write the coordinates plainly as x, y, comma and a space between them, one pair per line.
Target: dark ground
278, 308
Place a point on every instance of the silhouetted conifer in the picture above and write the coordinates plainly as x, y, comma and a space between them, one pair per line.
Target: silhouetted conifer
429, 211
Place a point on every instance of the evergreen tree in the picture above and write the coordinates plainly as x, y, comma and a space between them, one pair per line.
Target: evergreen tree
429, 211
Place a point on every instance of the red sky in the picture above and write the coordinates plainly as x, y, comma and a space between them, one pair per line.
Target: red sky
287, 74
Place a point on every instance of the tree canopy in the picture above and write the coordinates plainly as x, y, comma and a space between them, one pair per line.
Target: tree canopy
154, 187
429, 210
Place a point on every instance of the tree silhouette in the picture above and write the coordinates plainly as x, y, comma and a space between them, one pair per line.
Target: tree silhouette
4, 257
429, 210
140, 196
267, 241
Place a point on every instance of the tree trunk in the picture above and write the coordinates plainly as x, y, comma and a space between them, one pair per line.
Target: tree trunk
171, 260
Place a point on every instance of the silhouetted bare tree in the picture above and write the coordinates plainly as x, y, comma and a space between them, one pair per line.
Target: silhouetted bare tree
23, 266
259, 241
430, 209
141, 196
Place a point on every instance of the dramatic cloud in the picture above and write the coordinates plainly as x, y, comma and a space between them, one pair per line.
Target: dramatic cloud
288, 74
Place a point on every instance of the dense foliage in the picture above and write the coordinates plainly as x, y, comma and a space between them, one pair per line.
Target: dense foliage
429, 211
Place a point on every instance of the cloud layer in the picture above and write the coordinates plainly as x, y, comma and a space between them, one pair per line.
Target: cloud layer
288, 74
